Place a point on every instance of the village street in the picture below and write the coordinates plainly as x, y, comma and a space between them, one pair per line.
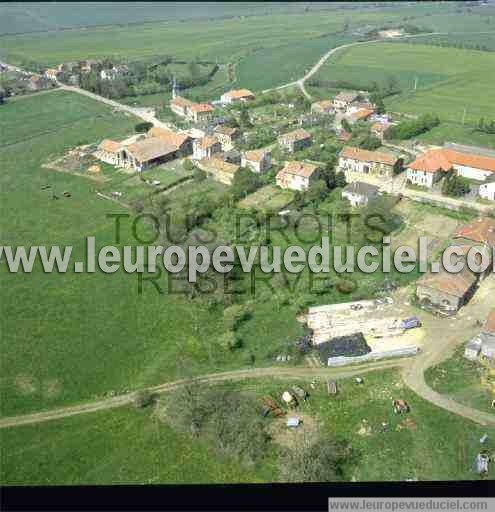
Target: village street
145, 114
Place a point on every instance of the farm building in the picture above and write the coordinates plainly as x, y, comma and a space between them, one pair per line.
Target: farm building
108, 151
295, 140
471, 162
362, 161
182, 141
427, 169
206, 147
468, 162
236, 96
227, 136
359, 193
114, 72
487, 189
146, 153
446, 292
480, 230
344, 99
218, 169
297, 175
473, 349
51, 74
257, 161
322, 107
363, 114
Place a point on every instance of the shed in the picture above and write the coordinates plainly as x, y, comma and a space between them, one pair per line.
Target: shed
487, 347
473, 348
332, 387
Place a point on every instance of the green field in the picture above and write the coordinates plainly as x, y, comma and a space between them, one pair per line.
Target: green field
448, 79
275, 66
125, 446
68, 337
460, 379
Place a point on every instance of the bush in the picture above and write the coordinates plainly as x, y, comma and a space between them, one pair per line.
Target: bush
143, 127
230, 341
143, 398
234, 315
455, 186
412, 128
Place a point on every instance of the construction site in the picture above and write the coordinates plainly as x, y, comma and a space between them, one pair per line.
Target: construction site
363, 330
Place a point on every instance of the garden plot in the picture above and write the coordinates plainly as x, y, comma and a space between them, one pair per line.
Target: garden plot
270, 198
419, 221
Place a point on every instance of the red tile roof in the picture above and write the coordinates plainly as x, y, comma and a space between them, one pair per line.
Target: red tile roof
364, 155
173, 138
432, 161
303, 169
452, 284
481, 230
202, 107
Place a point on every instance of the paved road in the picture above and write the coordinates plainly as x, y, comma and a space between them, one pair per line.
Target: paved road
317, 66
143, 113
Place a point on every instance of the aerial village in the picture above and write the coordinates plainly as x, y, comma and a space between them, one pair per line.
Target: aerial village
378, 328
216, 139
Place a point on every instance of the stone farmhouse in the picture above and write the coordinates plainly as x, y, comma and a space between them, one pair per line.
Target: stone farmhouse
359, 193
236, 96
467, 161
159, 146
295, 140
51, 73
257, 161
197, 112
297, 175
444, 291
362, 114
362, 161
344, 99
322, 107
227, 136
219, 169
206, 147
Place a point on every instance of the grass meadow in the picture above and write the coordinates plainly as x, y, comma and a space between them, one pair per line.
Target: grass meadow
448, 79
68, 337
125, 445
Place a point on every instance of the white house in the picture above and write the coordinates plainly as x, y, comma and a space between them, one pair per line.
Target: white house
359, 193
467, 161
206, 147
236, 96
344, 99
427, 169
487, 189
257, 161
297, 175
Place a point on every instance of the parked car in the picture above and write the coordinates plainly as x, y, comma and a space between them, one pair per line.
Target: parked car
410, 323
